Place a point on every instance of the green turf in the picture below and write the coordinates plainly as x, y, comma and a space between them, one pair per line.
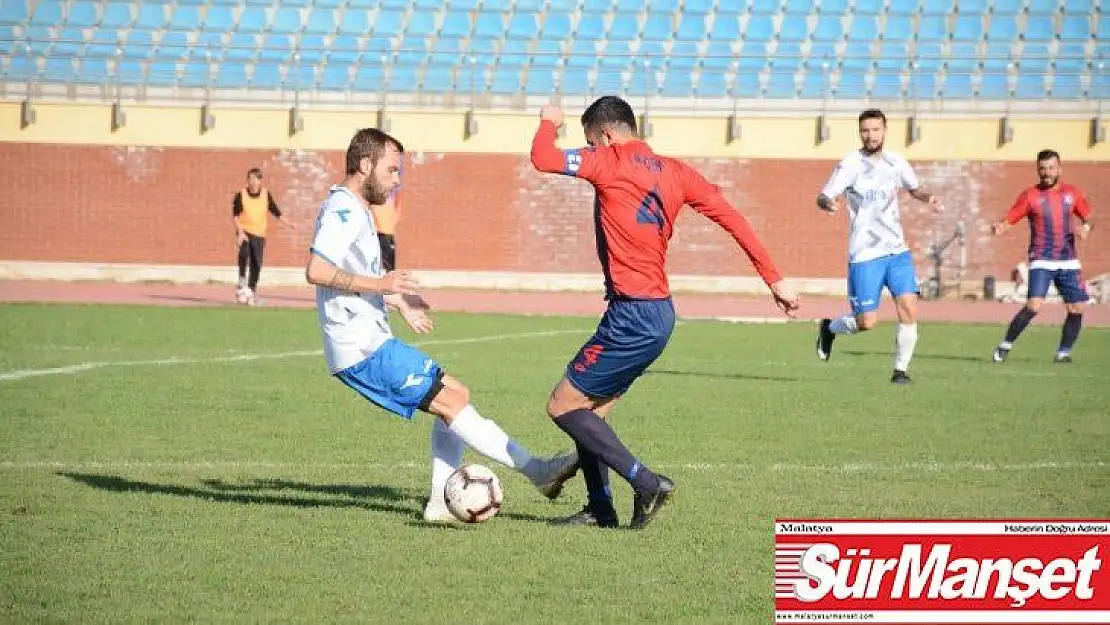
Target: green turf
261, 490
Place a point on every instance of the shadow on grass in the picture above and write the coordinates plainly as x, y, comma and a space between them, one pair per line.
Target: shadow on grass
276, 492
985, 358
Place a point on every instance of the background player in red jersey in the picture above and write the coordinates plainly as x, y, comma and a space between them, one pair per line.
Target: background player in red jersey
639, 197
1049, 206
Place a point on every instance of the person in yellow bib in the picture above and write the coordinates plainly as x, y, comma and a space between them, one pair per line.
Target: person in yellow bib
251, 210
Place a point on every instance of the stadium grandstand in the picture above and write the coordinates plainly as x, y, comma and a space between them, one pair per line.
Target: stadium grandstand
1045, 55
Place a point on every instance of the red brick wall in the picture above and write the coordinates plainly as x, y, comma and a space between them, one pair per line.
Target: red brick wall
467, 211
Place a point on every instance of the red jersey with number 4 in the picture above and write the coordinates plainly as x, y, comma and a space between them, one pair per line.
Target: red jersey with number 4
1051, 228
639, 197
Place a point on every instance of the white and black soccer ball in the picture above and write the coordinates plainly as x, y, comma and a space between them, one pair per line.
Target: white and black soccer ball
473, 494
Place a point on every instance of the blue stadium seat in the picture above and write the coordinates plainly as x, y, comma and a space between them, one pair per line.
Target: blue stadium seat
128, 72
1042, 7
47, 13
420, 24
863, 28
277, 48
609, 82
575, 81
799, 7
463, 5
623, 6
540, 81
616, 55
851, 85
973, 7
793, 28
265, 76
523, 26
957, 86
139, 45
1079, 7
899, 28
993, 86
14, 12
830, 28
868, 7
699, 7
196, 73
1103, 32
1007, 7
70, 43
173, 46
104, 43
583, 54
556, 27
1002, 28
684, 57
1039, 28
184, 18
904, 7
439, 79
624, 28
153, 17
370, 78
746, 86
815, 84
1070, 58
712, 84
1068, 86
389, 23
937, 7
822, 55
82, 14
547, 54
354, 24
677, 85
929, 59
691, 28
344, 50
287, 21
968, 28
833, 7
590, 28
719, 55
725, 28
932, 28
753, 57
497, 5
1075, 28
963, 58
759, 28
300, 77
335, 77
597, 6
887, 85
232, 75
312, 49
253, 20
219, 19
658, 28
161, 73
320, 22
116, 15
1030, 87
564, 6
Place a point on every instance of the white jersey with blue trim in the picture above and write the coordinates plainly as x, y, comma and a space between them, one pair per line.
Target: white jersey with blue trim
872, 186
354, 325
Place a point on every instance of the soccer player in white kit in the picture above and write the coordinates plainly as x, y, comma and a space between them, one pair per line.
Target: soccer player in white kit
878, 257
352, 295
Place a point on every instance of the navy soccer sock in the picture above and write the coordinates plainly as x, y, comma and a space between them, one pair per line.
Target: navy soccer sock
594, 434
1018, 324
596, 475
1072, 325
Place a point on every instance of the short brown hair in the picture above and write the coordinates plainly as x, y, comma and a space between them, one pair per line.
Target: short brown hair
256, 172
369, 143
872, 114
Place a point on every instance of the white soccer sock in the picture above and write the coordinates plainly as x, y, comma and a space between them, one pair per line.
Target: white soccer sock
904, 344
447, 453
844, 325
487, 438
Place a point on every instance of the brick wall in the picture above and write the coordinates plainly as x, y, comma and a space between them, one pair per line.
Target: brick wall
468, 211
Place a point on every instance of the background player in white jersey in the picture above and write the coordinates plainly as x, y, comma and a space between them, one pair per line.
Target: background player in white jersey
352, 295
878, 257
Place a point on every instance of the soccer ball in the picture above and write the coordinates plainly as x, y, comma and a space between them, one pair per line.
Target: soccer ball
473, 494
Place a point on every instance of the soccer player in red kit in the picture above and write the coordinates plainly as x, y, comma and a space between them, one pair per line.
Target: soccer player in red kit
639, 196
1052, 209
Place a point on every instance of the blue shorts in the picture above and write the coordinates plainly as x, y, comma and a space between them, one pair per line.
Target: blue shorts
867, 279
1069, 283
631, 335
397, 377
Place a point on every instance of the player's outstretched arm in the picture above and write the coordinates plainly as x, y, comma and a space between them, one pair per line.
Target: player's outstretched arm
921, 194
412, 310
321, 272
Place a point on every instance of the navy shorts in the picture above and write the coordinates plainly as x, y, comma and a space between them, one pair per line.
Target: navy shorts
632, 334
1069, 283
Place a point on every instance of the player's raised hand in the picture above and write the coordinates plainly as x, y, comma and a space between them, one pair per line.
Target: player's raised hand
787, 300
417, 319
400, 282
553, 114
936, 204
